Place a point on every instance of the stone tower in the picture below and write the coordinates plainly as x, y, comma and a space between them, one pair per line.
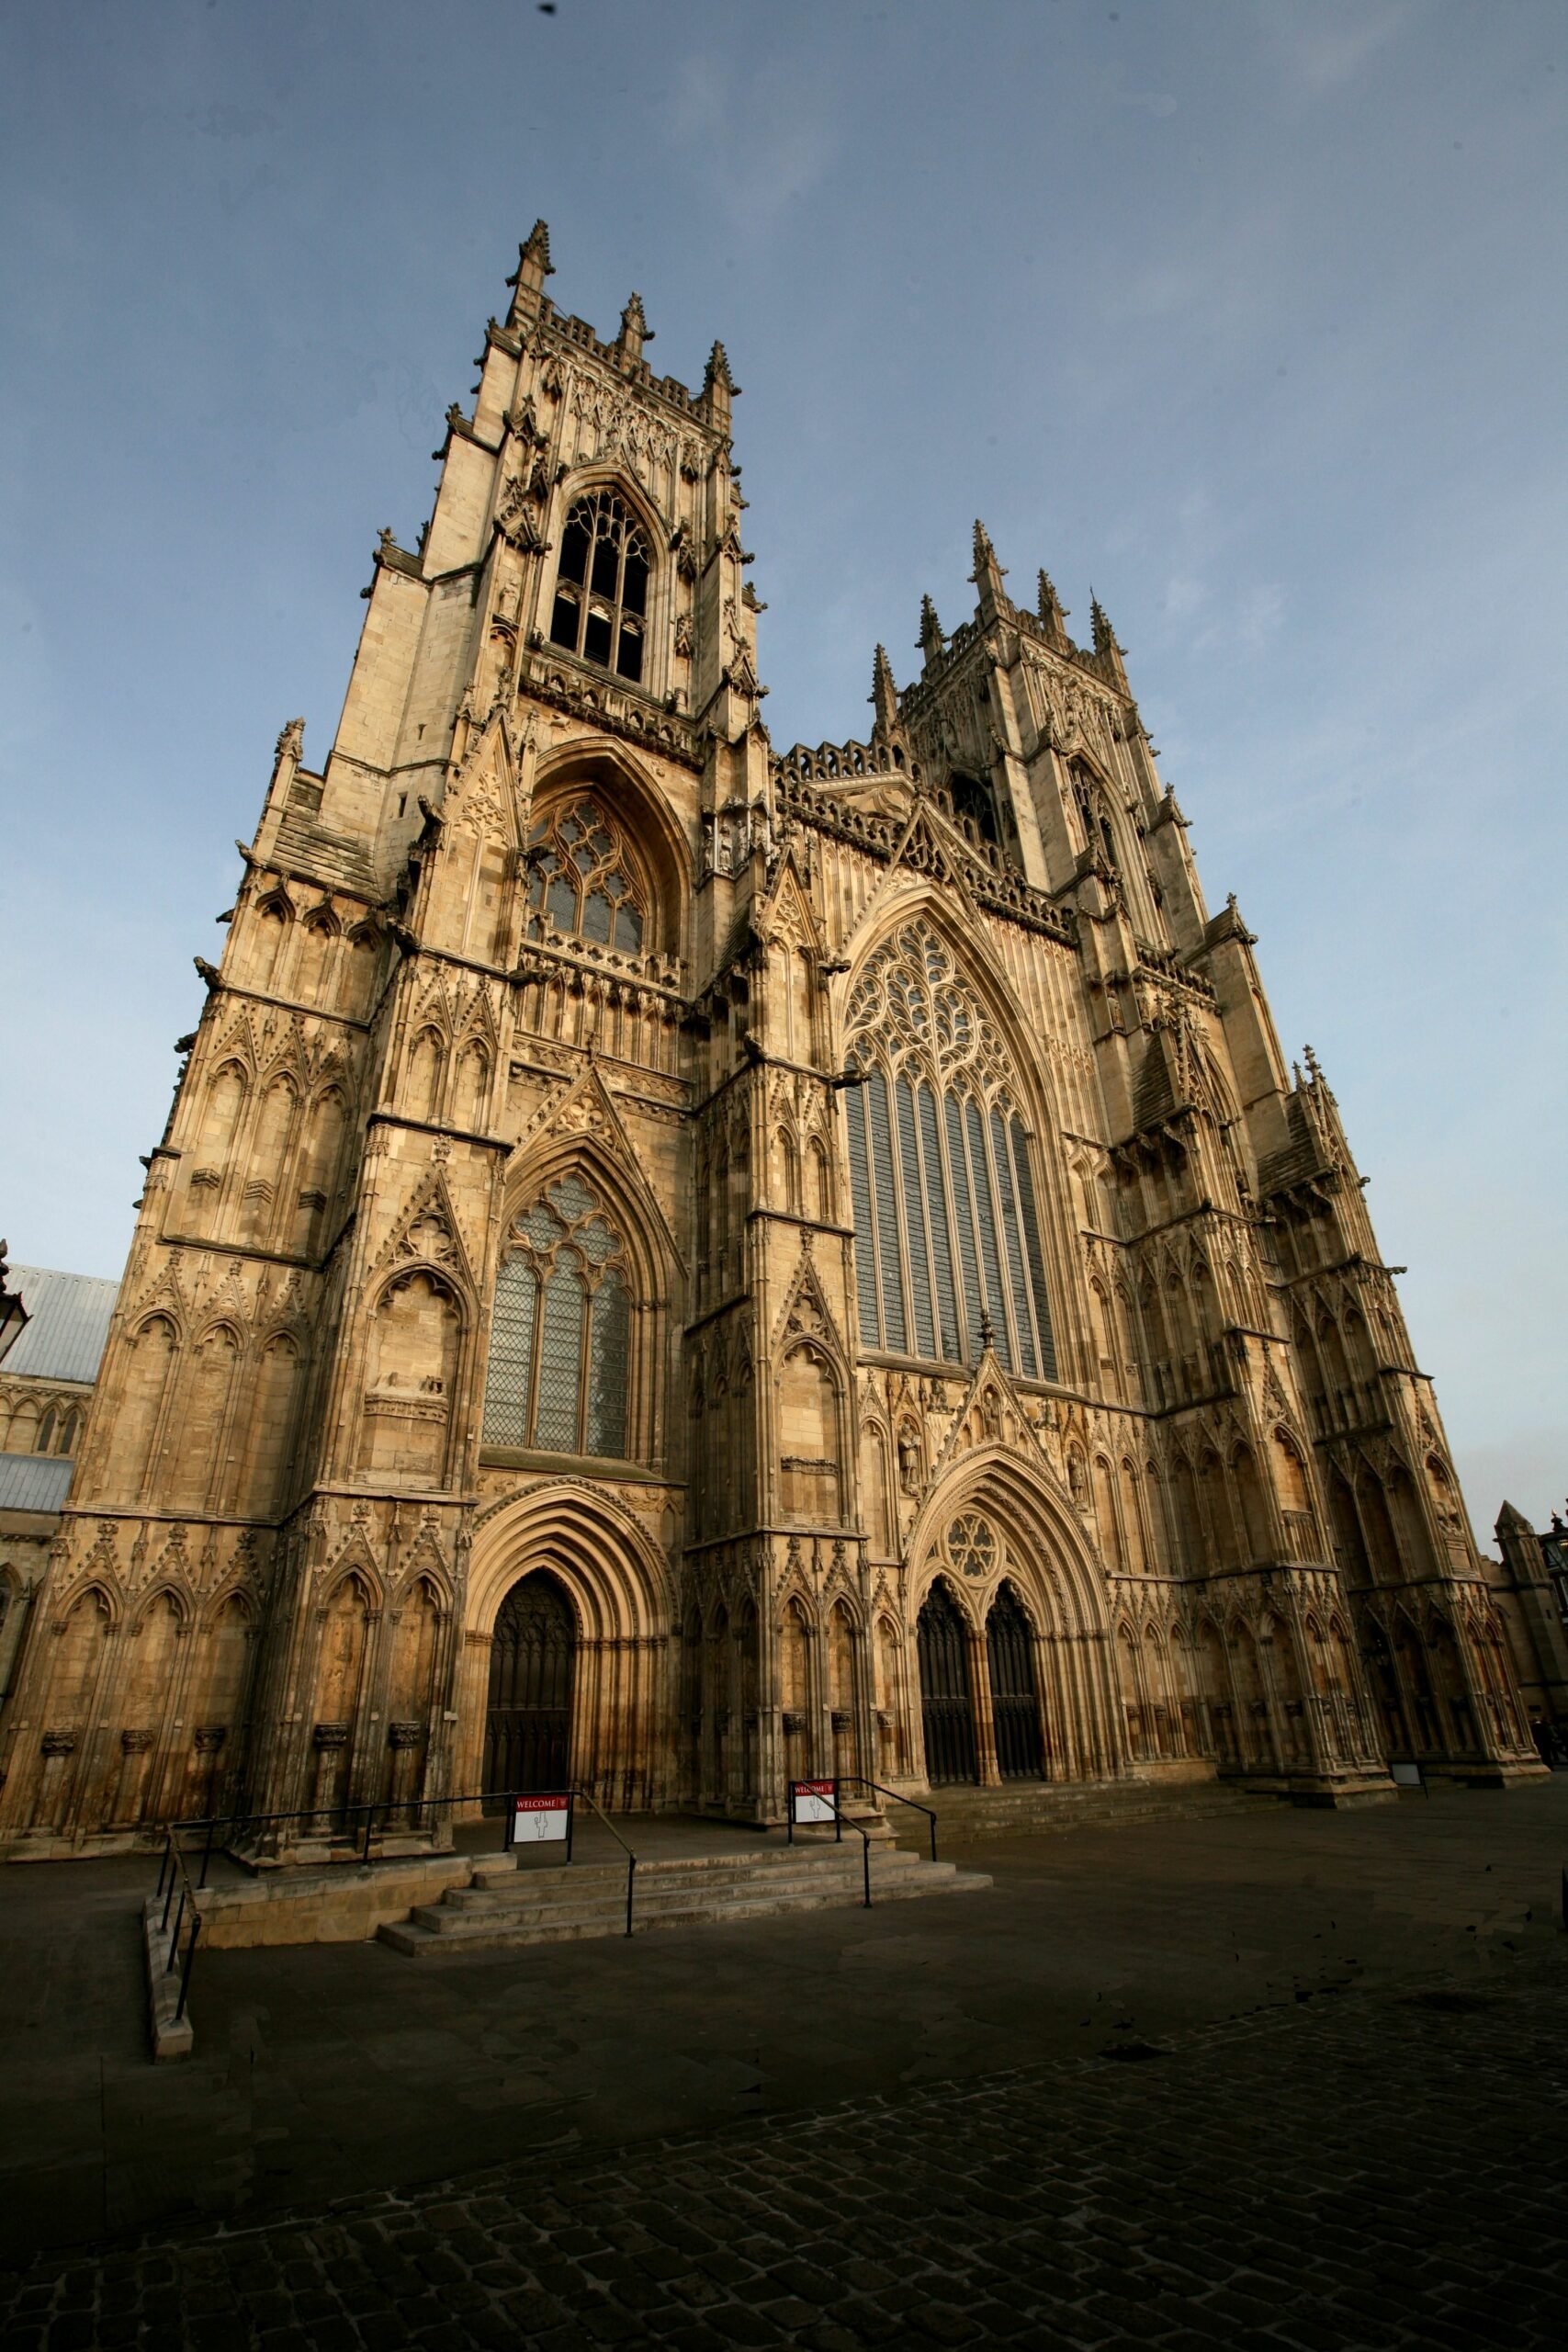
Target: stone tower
672, 1268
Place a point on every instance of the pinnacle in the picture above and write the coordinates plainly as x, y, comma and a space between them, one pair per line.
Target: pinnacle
932, 635
884, 691
718, 371
984, 556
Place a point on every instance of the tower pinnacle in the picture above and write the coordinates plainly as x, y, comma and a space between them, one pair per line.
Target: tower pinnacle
1053, 612
987, 574
932, 639
534, 265
634, 329
884, 693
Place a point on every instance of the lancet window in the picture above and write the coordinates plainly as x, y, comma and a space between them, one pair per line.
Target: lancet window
947, 1239
1093, 814
601, 603
561, 1329
581, 883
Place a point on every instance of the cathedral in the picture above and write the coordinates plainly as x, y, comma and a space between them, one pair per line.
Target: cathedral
675, 1266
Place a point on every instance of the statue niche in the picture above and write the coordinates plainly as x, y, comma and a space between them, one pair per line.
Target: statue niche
415, 1336
808, 1439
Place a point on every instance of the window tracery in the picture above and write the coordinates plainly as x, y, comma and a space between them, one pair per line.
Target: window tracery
560, 1330
583, 884
942, 1184
972, 1545
601, 601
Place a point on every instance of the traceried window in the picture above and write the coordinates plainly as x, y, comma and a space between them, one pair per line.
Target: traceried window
947, 1240
1093, 815
560, 1334
582, 882
601, 607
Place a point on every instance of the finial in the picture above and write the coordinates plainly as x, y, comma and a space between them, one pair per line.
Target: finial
1104, 636
528, 280
932, 640
1312, 1063
1048, 604
718, 372
987, 1331
884, 693
634, 329
984, 557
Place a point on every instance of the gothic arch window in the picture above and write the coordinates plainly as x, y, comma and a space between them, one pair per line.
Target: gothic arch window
974, 804
561, 1335
601, 607
584, 883
947, 1240
1094, 814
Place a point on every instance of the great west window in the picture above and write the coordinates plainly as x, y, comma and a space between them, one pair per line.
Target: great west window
946, 1230
600, 605
560, 1332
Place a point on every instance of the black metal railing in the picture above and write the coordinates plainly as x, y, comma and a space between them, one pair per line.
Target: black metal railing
841, 1821
187, 1921
860, 1781
631, 1857
337, 1819
174, 1862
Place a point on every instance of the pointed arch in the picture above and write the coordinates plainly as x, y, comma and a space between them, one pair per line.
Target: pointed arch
635, 802
957, 1217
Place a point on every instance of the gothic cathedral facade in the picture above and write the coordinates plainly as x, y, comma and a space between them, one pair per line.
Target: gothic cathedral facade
673, 1267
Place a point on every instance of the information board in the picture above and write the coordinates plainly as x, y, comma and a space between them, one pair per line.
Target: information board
536, 1821
810, 1801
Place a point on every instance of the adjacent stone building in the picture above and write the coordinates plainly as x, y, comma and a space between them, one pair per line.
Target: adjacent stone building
675, 1266
52, 1328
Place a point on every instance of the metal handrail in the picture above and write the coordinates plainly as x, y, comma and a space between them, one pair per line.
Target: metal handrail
187, 1901
631, 1857
861, 1782
345, 1814
839, 1819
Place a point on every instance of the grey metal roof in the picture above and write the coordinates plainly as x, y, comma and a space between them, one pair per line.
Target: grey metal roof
34, 1481
68, 1323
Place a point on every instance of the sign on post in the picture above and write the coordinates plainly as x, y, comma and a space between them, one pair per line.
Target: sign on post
810, 1801
542, 1820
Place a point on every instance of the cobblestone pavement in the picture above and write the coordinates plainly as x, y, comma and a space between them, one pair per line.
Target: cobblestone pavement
1372, 2170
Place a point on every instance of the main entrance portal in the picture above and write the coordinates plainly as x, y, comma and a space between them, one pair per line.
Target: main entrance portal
1015, 1704
528, 1725
945, 1701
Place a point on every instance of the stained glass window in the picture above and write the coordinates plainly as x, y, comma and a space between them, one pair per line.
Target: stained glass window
560, 1332
946, 1235
583, 882
601, 607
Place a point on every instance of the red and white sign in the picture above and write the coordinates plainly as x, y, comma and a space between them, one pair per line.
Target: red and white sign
810, 1801
539, 1820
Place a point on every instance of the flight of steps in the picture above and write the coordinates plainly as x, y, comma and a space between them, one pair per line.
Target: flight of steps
506, 1907
1031, 1808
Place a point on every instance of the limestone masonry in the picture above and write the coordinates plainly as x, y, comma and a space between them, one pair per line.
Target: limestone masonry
673, 1267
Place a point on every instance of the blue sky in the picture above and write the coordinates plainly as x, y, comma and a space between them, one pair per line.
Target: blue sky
1248, 312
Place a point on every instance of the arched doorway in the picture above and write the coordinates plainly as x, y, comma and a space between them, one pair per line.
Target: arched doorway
528, 1718
946, 1703
1015, 1701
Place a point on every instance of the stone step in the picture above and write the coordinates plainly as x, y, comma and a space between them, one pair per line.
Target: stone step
969, 1813
668, 1895
526, 1889
652, 1901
